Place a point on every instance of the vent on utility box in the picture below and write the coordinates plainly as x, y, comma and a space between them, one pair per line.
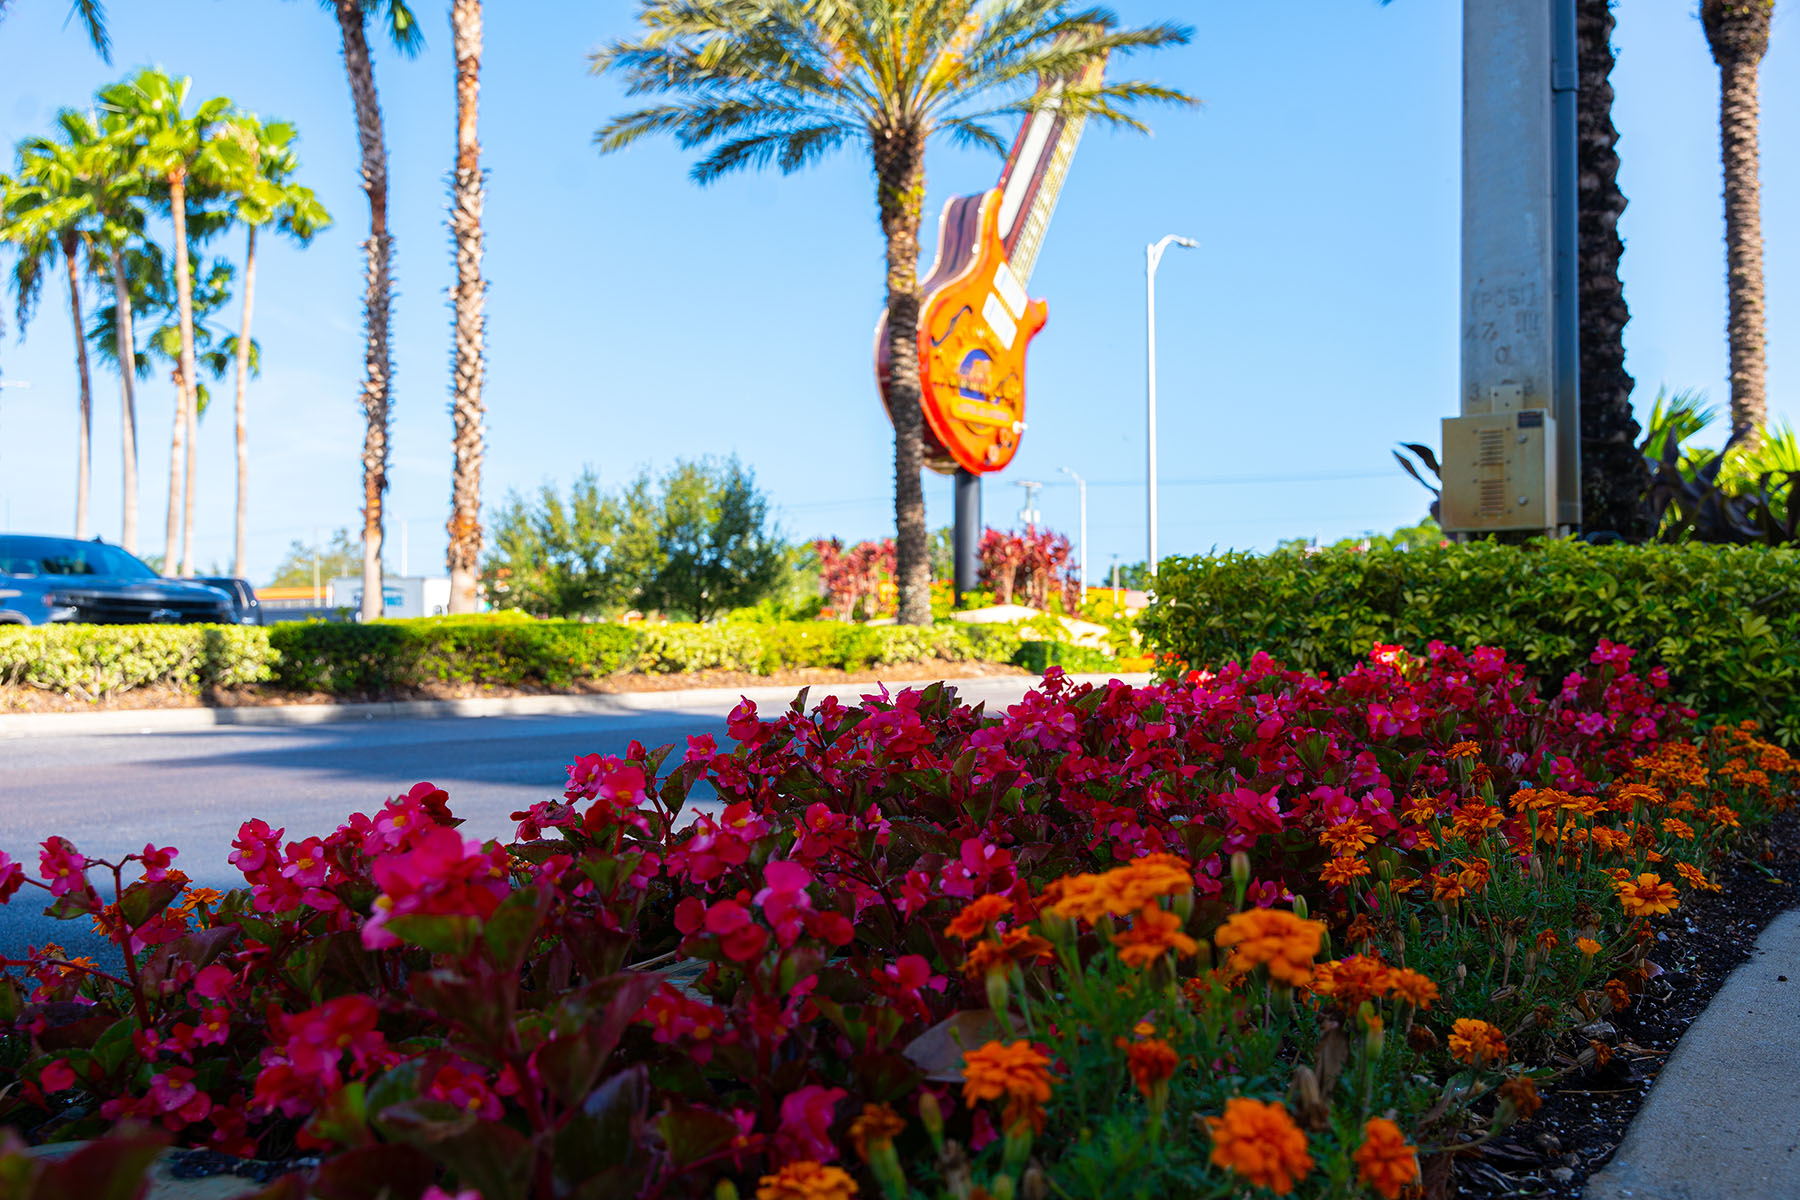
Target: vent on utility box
1493, 498
1490, 448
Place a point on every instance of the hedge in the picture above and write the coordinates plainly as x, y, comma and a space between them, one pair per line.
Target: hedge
382, 657
93, 662
1724, 620
387, 657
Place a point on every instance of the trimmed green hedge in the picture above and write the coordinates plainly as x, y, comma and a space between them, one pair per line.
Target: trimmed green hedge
388, 656
1724, 620
1038, 657
92, 662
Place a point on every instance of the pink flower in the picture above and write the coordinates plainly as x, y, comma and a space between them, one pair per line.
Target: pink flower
213, 981
306, 865
785, 900
57, 1077
62, 866
741, 939
12, 877
806, 1117
256, 846
434, 1192
156, 862
461, 1086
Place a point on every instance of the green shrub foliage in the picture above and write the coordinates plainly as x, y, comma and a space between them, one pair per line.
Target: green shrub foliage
389, 656
1724, 620
92, 662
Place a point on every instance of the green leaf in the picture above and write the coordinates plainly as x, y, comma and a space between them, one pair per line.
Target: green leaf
440, 934
693, 1133
510, 930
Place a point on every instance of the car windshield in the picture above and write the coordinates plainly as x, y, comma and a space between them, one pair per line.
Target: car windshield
47, 556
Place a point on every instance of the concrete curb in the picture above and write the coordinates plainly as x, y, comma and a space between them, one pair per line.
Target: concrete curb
1722, 1121
613, 704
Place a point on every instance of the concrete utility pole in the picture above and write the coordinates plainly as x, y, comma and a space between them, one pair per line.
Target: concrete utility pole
1081, 546
1519, 288
1152, 259
1029, 514
965, 536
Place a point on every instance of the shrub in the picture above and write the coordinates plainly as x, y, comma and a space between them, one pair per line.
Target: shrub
1039, 656
904, 893
382, 657
1724, 621
673, 648
92, 662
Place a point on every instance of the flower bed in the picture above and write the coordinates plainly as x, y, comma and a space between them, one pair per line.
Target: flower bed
1255, 928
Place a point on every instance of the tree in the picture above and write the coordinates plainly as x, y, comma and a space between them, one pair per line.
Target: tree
339, 557
715, 548
265, 194
175, 148
43, 223
92, 15
1737, 32
785, 82
92, 171
378, 254
1614, 476
572, 558
463, 554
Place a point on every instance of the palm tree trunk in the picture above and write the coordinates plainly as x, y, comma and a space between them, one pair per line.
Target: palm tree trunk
377, 252
1737, 31
85, 434
187, 486
240, 539
184, 305
464, 552
900, 178
125, 345
1614, 475
177, 442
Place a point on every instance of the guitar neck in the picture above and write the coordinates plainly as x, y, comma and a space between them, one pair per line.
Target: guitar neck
1033, 177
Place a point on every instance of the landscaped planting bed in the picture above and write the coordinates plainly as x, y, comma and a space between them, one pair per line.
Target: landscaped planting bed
1322, 936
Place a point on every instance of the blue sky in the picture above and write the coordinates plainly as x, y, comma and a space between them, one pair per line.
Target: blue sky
635, 318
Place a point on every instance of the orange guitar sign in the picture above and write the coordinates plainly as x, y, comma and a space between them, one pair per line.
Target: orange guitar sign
975, 320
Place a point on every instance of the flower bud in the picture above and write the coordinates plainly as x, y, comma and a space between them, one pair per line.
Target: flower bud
998, 993
1182, 903
1300, 909
931, 1115
884, 1164
1016, 1148
1240, 875
1001, 1187
725, 1190
1033, 1185
1056, 927
1414, 929
1385, 870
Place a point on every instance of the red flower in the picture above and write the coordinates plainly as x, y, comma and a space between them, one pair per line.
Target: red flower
57, 1077
742, 939
156, 862
806, 1123
62, 866
12, 877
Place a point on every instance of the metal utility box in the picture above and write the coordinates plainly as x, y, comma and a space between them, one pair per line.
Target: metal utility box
1499, 472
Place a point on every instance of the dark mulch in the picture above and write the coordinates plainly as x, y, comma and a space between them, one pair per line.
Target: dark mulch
1586, 1111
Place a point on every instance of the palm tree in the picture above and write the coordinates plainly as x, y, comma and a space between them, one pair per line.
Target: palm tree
179, 151
93, 19
1614, 475
785, 82
378, 252
92, 172
1737, 32
264, 195
464, 552
43, 223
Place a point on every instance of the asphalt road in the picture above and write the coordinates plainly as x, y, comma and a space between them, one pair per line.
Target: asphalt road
110, 793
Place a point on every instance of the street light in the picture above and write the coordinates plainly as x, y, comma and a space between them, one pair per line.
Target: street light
1152, 258
1029, 514
1081, 486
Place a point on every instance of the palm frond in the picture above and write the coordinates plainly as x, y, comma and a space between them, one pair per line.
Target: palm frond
93, 19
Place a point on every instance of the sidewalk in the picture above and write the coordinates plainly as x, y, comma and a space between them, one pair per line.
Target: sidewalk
1722, 1121
994, 689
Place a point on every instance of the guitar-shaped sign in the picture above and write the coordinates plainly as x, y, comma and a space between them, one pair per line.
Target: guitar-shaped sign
975, 320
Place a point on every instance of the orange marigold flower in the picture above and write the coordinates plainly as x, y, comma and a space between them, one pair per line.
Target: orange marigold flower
1261, 1143
1522, 1094
1646, 896
1588, 946
1080, 897
1696, 877
877, 1126
1352, 980
1720, 814
1464, 750
1414, 987
1018, 1073
1676, 827
1420, 809
1547, 940
1447, 886
977, 915
1274, 938
1477, 1043
807, 1180
1618, 993
1474, 874
1344, 870
1153, 933
1385, 1161
1015, 946
1602, 1052
1609, 840
1151, 1062
1347, 837
1402, 885
1124, 890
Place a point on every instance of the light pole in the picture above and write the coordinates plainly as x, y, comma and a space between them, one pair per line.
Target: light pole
1152, 258
1081, 486
1029, 514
